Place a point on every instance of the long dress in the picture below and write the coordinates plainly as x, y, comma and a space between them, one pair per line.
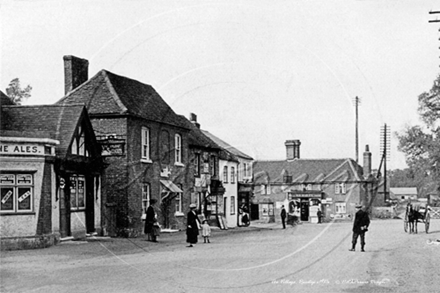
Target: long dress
192, 229
149, 221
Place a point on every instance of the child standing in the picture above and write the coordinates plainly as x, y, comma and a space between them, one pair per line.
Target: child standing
206, 231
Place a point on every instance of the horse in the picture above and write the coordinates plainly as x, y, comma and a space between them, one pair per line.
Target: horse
413, 217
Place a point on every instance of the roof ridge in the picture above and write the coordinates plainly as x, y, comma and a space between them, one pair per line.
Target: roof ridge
113, 91
79, 87
44, 105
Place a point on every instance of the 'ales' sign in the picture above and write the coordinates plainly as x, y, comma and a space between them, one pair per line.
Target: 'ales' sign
21, 149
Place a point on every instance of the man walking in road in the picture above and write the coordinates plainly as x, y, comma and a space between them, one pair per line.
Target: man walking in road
360, 226
283, 216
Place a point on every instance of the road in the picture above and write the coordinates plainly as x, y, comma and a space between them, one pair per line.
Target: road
305, 258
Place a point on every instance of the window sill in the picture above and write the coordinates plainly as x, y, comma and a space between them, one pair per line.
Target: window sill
179, 214
17, 213
147, 161
179, 164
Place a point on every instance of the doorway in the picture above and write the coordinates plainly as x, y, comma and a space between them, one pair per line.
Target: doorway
304, 209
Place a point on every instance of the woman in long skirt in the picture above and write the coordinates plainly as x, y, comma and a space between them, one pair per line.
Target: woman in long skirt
193, 225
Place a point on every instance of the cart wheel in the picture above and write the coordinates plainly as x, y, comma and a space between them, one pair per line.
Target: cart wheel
427, 220
405, 225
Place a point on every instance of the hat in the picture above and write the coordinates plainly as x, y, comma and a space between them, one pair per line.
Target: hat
192, 206
359, 206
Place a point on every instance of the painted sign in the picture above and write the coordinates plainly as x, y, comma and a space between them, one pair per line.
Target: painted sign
21, 149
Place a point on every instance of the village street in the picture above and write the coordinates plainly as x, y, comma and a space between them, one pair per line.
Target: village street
259, 258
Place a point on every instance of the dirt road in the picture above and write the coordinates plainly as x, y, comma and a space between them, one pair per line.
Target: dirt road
306, 258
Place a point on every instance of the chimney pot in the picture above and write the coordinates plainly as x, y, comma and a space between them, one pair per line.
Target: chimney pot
292, 149
193, 119
367, 162
75, 72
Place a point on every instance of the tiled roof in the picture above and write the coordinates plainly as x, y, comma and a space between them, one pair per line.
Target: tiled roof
44, 121
5, 100
196, 136
307, 171
108, 93
227, 147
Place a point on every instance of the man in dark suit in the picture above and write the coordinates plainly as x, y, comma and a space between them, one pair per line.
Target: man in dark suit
360, 226
283, 216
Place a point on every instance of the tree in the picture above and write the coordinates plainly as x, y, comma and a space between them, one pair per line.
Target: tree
16, 93
421, 144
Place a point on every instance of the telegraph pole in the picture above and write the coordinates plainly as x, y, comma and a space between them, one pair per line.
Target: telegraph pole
435, 20
357, 101
385, 149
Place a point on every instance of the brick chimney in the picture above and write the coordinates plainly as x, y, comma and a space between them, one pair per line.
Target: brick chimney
292, 149
76, 72
193, 119
367, 161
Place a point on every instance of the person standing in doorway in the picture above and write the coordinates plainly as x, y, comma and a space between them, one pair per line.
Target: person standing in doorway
193, 226
283, 216
360, 226
149, 221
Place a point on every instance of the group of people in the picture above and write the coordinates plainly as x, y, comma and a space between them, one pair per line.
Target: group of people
152, 227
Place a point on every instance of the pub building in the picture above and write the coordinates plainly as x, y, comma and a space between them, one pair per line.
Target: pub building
49, 176
335, 186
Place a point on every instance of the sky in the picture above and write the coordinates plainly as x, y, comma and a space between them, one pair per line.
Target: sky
256, 73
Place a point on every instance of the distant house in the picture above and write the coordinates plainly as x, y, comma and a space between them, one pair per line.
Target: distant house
305, 185
144, 143
50, 175
403, 193
236, 168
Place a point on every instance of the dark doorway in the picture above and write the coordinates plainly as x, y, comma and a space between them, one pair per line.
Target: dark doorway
254, 212
304, 209
64, 196
90, 208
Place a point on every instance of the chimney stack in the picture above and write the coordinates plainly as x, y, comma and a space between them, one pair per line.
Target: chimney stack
193, 119
292, 149
367, 161
76, 72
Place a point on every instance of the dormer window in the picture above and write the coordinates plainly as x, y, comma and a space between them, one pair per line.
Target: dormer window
79, 145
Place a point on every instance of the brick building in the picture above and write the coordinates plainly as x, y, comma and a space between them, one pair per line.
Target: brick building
305, 185
205, 155
50, 175
145, 145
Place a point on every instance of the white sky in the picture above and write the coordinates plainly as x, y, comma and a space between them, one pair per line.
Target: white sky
256, 73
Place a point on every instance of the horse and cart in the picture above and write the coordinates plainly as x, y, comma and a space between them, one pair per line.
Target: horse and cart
414, 213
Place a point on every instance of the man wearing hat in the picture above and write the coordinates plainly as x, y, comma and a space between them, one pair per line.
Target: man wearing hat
193, 226
360, 226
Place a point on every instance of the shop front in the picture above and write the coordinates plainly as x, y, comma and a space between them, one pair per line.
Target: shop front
305, 204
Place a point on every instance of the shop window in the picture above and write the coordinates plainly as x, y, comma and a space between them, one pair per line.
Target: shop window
17, 193
232, 205
340, 188
340, 207
77, 192
178, 148
146, 196
225, 174
145, 138
232, 174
